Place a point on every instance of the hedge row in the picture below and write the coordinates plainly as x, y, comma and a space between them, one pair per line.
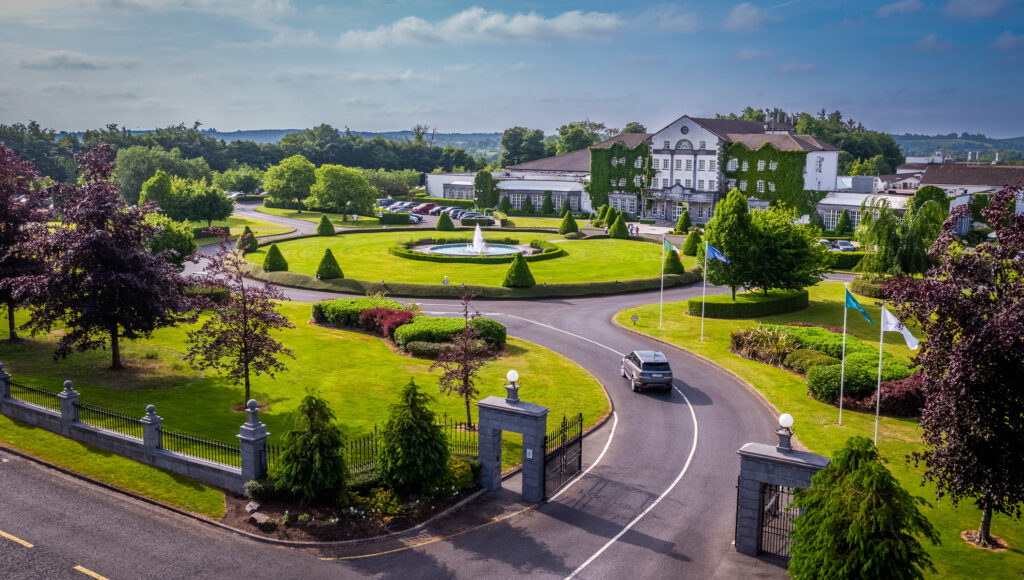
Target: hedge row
463, 203
749, 304
205, 232
346, 311
865, 287
471, 222
444, 329
402, 251
394, 219
846, 260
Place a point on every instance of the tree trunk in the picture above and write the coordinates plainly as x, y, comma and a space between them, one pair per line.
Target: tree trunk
209, 224
469, 417
984, 530
298, 204
246, 401
115, 349
10, 322
733, 293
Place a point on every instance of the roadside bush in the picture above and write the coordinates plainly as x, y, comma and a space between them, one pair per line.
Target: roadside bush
692, 244
421, 349
345, 311
312, 463
568, 224
619, 230
328, 268
325, 227
394, 219
260, 489
489, 331
766, 344
274, 261
828, 342
893, 369
750, 304
461, 474
518, 274
444, 223
871, 288
413, 453
247, 242
684, 224
383, 320
802, 359
823, 382
673, 264
902, 398
846, 260
382, 501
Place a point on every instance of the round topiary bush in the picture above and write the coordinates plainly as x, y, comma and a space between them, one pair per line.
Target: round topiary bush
684, 224
444, 223
802, 359
619, 230
872, 288
823, 382
328, 268
325, 227
490, 331
673, 265
692, 244
568, 224
518, 274
247, 242
274, 261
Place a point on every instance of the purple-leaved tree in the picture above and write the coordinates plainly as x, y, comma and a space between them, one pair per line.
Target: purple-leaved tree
99, 282
460, 362
236, 338
23, 215
971, 308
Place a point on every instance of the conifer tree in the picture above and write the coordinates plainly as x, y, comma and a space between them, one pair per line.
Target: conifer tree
413, 454
568, 225
844, 226
547, 207
673, 265
619, 229
274, 260
312, 464
692, 244
684, 224
444, 223
325, 227
328, 268
247, 242
518, 274
527, 207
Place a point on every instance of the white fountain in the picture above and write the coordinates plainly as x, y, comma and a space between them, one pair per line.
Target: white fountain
478, 246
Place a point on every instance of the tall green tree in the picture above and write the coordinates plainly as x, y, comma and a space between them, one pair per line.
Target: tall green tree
634, 127
920, 227
547, 207
879, 234
137, 164
413, 453
485, 189
844, 226
928, 193
209, 203
683, 224
243, 178
573, 138
341, 190
857, 522
787, 255
290, 180
171, 235
729, 231
312, 465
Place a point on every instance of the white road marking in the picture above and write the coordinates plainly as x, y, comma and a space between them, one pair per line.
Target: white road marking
565, 332
630, 525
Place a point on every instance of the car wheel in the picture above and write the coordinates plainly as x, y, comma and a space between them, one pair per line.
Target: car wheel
634, 385
622, 371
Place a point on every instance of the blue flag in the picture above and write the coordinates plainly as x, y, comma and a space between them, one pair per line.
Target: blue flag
715, 254
851, 302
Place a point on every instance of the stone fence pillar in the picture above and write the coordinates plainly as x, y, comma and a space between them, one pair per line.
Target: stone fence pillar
511, 414
252, 440
68, 413
152, 437
5, 383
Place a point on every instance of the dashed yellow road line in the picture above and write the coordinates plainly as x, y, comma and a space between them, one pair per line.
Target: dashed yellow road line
14, 539
90, 573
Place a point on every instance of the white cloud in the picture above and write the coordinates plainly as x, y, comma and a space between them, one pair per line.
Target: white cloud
931, 43
67, 60
752, 54
746, 17
901, 7
302, 75
522, 66
788, 68
476, 25
975, 9
670, 18
1009, 41
408, 75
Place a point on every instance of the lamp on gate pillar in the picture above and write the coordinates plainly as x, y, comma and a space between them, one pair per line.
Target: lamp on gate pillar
512, 387
785, 431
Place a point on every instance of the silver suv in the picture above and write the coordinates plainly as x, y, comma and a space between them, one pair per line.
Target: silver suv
646, 368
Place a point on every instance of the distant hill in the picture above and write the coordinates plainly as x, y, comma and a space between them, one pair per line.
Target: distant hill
486, 144
959, 145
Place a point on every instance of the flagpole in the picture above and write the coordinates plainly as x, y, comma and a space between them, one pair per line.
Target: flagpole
842, 370
661, 298
704, 296
878, 391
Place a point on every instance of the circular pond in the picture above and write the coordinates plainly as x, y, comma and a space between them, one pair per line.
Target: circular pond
470, 250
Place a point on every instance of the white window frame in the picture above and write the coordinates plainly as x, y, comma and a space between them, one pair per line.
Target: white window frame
636, 163
679, 164
688, 183
711, 165
733, 164
746, 166
771, 186
703, 145
760, 186
760, 164
668, 144
689, 164
711, 185
773, 165
664, 183
743, 185
700, 185
701, 165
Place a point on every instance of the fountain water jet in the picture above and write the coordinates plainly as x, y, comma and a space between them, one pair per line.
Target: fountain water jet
478, 246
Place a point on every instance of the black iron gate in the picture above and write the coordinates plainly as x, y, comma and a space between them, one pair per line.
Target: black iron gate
563, 454
776, 520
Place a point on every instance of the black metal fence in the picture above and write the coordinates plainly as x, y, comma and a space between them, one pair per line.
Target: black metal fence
207, 449
109, 420
35, 395
776, 521
462, 439
563, 453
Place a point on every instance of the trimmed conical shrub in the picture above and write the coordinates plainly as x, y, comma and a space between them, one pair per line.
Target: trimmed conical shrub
274, 262
566, 208
609, 216
328, 267
672, 263
247, 242
568, 225
527, 208
444, 223
547, 207
619, 229
602, 213
325, 227
844, 226
518, 274
684, 224
692, 244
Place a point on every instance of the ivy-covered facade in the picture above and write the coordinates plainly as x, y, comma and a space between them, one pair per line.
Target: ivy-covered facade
770, 175
620, 170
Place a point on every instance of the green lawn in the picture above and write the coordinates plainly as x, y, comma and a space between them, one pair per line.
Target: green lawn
237, 224
366, 257
314, 216
357, 373
815, 422
538, 222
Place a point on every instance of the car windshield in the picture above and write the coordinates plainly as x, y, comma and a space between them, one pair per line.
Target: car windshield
657, 367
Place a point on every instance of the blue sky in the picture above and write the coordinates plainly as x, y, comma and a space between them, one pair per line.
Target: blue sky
907, 65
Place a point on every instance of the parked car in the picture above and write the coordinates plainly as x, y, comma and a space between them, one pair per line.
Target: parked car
413, 218
424, 207
827, 244
439, 210
385, 201
845, 246
468, 216
458, 213
646, 368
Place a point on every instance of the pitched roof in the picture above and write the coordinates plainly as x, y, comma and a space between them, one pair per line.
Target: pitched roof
781, 141
576, 161
630, 140
723, 127
959, 174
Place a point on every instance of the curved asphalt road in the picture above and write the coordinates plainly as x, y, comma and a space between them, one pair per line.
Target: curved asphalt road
660, 503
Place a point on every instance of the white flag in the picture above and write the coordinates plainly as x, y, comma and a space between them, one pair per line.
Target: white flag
891, 324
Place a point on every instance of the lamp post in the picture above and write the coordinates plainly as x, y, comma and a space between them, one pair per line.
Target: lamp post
513, 389
785, 431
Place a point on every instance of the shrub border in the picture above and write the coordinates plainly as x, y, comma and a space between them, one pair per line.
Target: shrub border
548, 251
780, 303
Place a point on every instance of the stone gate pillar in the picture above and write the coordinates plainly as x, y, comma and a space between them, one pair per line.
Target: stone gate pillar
497, 415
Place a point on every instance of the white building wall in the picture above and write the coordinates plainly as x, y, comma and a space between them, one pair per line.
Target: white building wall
821, 177
664, 161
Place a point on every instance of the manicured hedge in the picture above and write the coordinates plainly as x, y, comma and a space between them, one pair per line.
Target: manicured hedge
474, 222
865, 287
830, 343
247, 242
346, 311
325, 227
802, 359
846, 260
394, 219
444, 223
274, 260
672, 263
463, 203
489, 331
518, 274
329, 268
823, 382
402, 250
444, 329
749, 304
